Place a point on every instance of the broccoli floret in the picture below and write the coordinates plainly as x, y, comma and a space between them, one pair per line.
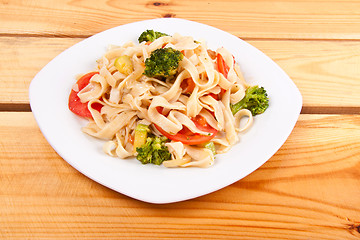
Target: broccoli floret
255, 100
163, 63
150, 35
153, 151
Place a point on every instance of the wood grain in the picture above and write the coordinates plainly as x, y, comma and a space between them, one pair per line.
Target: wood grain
326, 72
25, 58
287, 19
307, 190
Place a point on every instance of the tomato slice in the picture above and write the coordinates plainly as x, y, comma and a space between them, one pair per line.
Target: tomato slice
187, 85
187, 137
75, 105
219, 95
215, 96
222, 66
200, 121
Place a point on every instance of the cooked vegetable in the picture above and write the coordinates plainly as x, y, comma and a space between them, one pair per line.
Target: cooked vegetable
221, 65
211, 147
153, 151
187, 85
150, 36
256, 100
163, 63
141, 132
187, 137
75, 105
124, 65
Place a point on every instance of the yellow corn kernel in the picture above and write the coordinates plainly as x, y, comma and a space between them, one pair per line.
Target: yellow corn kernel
124, 65
141, 132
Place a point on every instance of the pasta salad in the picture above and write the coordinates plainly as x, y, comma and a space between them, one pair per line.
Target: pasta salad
167, 100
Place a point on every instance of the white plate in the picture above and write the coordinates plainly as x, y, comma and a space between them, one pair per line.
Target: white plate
50, 88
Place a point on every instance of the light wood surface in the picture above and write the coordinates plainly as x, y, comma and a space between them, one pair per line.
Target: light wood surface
313, 19
326, 72
303, 192
308, 190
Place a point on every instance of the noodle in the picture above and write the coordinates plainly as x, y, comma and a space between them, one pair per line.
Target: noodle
127, 100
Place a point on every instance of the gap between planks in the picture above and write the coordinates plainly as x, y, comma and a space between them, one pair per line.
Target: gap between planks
329, 110
15, 107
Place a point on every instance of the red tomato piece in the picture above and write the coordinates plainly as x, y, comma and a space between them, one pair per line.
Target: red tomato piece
75, 105
222, 66
215, 96
200, 121
187, 85
187, 137
219, 95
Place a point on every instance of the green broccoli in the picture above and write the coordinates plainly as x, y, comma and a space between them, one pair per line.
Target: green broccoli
153, 151
255, 100
150, 36
163, 63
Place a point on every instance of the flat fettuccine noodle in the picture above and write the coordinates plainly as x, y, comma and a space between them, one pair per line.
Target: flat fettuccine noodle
129, 99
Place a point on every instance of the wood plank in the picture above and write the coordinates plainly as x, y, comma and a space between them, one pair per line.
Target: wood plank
326, 72
309, 19
25, 57
307, 190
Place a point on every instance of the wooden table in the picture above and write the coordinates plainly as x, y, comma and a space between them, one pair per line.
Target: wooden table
310, 189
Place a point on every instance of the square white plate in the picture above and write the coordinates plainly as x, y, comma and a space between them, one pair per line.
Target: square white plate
49, 92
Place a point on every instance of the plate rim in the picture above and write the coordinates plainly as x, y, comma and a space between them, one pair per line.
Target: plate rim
35, 109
